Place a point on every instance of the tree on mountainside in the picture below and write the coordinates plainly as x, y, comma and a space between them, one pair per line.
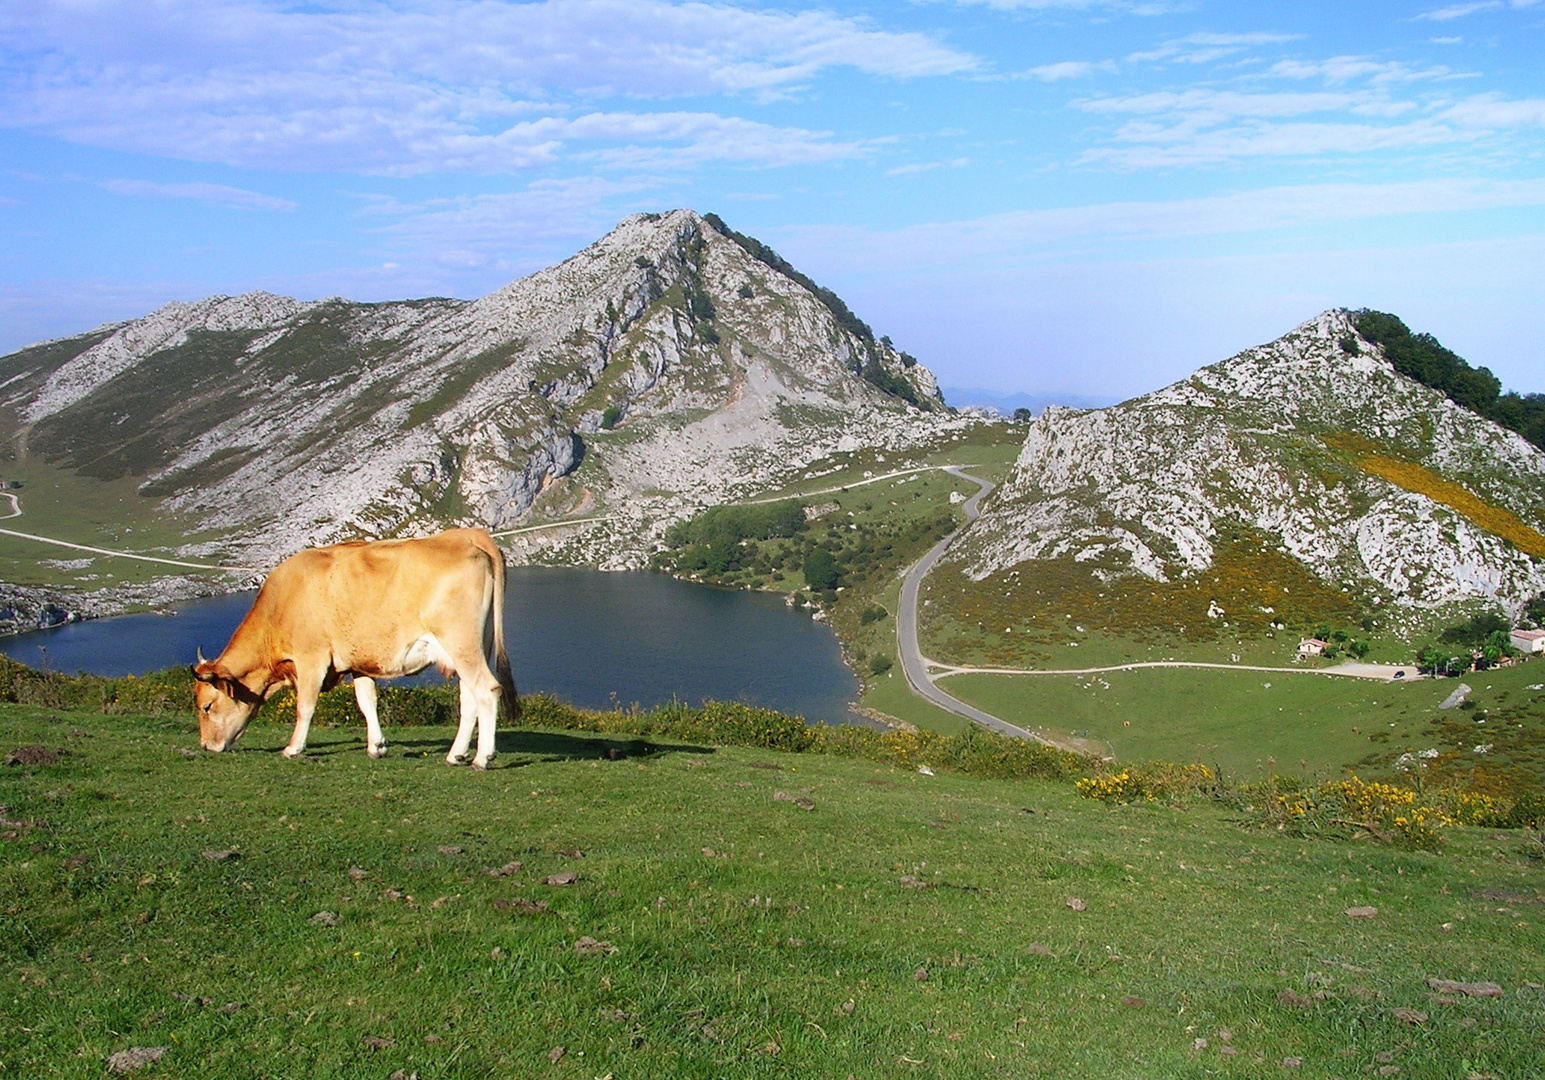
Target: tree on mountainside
1423, 358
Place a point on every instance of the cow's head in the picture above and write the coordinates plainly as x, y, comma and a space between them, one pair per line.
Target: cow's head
224, 705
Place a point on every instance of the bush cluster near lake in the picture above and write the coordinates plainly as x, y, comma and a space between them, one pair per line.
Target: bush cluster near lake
772, 545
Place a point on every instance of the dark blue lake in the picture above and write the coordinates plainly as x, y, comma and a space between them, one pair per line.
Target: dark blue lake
588, 637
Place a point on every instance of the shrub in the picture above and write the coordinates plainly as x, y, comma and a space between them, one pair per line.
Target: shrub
821, 570
880, 665
610, 417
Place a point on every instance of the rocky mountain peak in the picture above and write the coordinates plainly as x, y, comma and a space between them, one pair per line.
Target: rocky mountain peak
1376, 483
669, 364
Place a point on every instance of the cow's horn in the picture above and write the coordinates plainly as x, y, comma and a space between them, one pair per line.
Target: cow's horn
199, 652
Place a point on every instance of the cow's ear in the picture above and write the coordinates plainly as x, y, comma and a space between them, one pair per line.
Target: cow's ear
205, 672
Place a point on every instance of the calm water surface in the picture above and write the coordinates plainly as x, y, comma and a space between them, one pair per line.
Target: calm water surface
588, 637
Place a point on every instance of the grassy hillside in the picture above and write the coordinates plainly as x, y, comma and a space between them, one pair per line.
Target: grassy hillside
891, 924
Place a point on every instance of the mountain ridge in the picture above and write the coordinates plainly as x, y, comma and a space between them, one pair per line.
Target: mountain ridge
1283, 441
694, 369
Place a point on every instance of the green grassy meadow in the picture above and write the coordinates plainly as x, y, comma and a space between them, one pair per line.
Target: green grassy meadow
901, 925
1234, 719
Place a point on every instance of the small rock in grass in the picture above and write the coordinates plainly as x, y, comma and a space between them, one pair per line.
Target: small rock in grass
507, 869
1225, 1034
1363, 912
1076, 904
1410, 1016
589, 946
219, 856
782, 796
136, 1057
804, 803
449, 849
1384, 1056
433, 1039
231, 1006
75, 862
1294, 1000
1040, 950
848, 1006
925, 770
356, 873
34, 755
403, 1074
1198, 1044
920, 975
1132, 1001
614, 1016
1389, 1070
326, 918
562, 877
1228, 1051
1475, 989
376, 1042
1292, 1062
911, 881
572, 853
555, 1055
393, 894
521, 906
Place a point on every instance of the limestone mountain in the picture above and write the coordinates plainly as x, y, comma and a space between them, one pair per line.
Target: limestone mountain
672, 364
1302, 478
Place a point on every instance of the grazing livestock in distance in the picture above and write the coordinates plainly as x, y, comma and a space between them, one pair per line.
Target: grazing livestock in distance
371, 610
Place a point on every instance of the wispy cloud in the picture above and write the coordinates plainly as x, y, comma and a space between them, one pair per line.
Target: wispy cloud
1067, 69
1344, 69
1459, 11
214, 194
1036, 233
922, 167
372, 86
1204, 48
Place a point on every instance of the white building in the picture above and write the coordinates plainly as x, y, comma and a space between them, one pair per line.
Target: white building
1529, 641
1312, 646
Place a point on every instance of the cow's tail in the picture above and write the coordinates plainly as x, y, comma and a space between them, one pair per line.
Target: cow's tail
502, 672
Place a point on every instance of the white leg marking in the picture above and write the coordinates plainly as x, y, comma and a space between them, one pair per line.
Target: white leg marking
365, 695
458, 754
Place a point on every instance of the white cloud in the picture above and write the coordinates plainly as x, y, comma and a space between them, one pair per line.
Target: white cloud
1067, 69
1031, 234
1493, 111
216, 194
1206, 47
1459, 11
1343, 69
372, 86
922, 167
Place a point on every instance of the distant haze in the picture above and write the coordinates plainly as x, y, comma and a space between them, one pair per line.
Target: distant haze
959, 397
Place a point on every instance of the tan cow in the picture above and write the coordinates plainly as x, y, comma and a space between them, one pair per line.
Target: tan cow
371, 610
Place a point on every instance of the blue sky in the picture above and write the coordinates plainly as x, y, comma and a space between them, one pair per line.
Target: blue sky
1054, 196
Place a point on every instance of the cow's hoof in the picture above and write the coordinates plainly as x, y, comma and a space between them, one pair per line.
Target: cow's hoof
455, 759
482, 762
376, 751
292, 753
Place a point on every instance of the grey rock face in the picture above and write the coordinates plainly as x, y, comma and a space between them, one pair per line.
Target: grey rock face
281, 424
1261, 440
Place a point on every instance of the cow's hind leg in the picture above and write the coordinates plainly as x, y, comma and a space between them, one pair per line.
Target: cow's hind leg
308, 687
479, 705
365, 695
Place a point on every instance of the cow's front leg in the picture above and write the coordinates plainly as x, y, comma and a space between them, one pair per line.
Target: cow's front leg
365, 695
308, 686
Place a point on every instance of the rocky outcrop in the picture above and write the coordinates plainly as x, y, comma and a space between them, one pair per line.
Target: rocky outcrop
1297, 439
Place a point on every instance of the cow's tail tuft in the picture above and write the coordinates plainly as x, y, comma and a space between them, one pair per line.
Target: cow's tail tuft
507, 695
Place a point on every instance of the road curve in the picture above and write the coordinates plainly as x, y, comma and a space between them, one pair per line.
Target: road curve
912, 662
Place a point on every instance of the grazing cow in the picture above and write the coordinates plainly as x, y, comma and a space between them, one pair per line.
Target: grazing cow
371, 610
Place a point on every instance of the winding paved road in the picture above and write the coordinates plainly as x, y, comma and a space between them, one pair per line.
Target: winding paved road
912, 661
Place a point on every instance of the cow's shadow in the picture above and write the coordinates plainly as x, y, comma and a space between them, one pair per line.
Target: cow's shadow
516, 748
